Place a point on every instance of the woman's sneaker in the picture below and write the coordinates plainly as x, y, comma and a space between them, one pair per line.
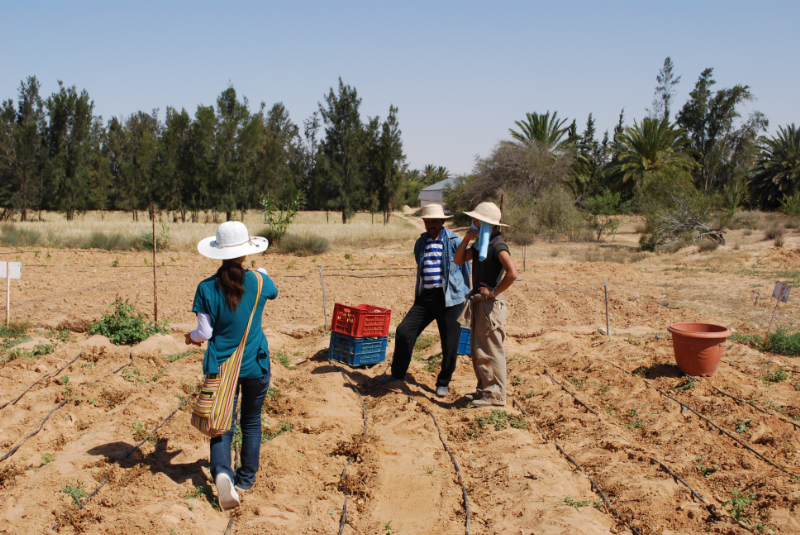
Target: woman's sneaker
228, 497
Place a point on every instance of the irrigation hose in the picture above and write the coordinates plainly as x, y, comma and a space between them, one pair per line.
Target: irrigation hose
570, 459
15, 448
754, 406
771, 463
45, 376
573, 395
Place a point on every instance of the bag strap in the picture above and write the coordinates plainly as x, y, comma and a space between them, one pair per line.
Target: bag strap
240, 349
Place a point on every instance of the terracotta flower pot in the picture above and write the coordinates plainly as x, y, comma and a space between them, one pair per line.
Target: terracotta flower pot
698, 346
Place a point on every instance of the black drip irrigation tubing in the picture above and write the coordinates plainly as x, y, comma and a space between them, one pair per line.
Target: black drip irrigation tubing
570, 459
573, 395
15, 448
754, 406
102, 484
343, 519
45, 376
452, 458
687, 407
117, 370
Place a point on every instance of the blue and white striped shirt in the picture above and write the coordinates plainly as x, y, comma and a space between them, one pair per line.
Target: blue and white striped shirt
432, 264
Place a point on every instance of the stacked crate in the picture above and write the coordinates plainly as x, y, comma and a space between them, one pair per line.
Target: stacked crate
359, 334
464, 342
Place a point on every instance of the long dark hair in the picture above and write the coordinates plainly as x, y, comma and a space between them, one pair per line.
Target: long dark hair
230, 279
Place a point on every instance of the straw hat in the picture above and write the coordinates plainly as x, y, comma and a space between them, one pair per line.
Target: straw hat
487, 212
232, 241
434, 211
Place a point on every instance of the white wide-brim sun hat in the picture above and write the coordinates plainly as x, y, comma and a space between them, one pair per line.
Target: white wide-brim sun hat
487, 212
232, 241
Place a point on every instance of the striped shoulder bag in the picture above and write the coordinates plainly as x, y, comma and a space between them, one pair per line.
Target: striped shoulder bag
214, 407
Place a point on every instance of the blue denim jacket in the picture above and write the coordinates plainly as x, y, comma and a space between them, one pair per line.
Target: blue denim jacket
456, 278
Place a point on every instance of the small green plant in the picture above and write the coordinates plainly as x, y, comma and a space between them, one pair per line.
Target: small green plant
633, 340
738, 502
281, 357
178, 356
432, 363
529, 395
430, 470
38, 351
499, 419
133, 375
707, 470
784, 342
775, 376
272, 393
159, 375
424, 342
115, 263
387, 528
252, 264
569, 501
348, 256
688, 384
743, 426
198, 491
268, 434
516, 380
604, 388
124, 326
139, 430
46, 459
76, 491
575, 382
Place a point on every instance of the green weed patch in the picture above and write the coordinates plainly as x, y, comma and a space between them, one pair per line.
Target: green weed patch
124, 326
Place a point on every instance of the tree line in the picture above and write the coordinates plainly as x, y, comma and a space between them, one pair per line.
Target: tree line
56, 154
703, 154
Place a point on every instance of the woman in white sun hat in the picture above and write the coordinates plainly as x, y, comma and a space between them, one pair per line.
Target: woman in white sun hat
493, 272
224, 304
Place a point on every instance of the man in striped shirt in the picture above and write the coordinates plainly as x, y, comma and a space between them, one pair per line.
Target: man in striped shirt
441, 290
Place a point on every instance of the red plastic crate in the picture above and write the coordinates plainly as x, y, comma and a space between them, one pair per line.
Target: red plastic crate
360, 321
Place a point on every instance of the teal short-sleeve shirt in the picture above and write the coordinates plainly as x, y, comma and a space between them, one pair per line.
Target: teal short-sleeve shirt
229, 326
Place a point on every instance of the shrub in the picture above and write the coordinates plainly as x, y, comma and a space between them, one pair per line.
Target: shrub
790, 205
746, 220
557, 215
707, 246
306, 243
15, 237
792, 223
112, 242
123, 326
774, 231
784, 342
778, 241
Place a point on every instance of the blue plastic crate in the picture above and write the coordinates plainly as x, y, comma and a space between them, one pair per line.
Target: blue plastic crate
463, 342
357, 351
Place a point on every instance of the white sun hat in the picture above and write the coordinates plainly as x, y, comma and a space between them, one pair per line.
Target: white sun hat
434, 211
232, 241
488, 212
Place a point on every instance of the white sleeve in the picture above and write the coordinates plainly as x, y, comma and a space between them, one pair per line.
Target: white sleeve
262, 270
204, 329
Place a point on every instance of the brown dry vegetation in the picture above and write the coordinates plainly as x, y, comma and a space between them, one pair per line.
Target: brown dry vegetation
516, 481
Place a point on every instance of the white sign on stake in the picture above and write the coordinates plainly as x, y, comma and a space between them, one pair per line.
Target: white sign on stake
8, 271
781, 295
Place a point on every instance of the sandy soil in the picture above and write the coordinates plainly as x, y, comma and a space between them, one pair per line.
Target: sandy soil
402, 480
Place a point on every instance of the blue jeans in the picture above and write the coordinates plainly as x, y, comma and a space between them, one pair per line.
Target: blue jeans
253, 392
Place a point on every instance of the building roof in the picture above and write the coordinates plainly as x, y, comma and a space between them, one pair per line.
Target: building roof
441, 185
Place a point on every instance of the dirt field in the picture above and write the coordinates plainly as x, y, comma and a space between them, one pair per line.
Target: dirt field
402, 481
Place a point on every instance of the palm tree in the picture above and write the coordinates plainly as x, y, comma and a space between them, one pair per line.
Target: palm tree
647, 150
547, 131
777, 172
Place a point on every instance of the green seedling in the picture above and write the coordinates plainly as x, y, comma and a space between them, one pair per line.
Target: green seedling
633, 340
575, 382
516, 381
569, 501
76, 491
432, 363
688, 384
178, 356
283, 358
707, 470
424, 342
430, 470
775, 376
267, 434
529, 395
499, 419
743, 426
738, 502
387, 528
139, 430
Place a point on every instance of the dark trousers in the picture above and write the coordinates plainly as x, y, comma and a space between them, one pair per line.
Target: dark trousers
253, 392
428, 306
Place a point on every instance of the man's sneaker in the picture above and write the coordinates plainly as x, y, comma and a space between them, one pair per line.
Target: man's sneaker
228, 497
386, 379
442, 391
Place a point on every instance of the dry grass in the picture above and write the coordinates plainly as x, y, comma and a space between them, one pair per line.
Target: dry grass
121, 232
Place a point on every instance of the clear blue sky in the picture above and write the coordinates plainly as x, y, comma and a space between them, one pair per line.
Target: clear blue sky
461, 72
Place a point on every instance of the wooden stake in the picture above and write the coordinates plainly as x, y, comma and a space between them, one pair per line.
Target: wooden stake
766, 336
8, 294
524, 258
155, 282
